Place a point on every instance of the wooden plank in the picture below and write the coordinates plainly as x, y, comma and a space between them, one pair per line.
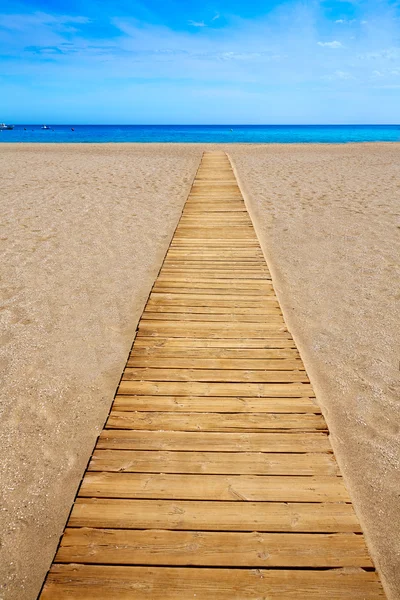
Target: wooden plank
212, 330
234, 233
194, 388
202, 275
175, 303
259, 287
219, 549
221, 343
208, 254
206, 271
212, 267
210, 441
205, 225
210, 404
95, 582
218, 293
148, 315
238, 295
251, 354
213, 375
278, 364
220, 207
235, 488
203, 290
214, 516
167, 421
214, 264
213, 463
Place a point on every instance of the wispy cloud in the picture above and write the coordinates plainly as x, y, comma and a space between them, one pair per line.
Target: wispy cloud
344, 75
197, 23
334, 44
24, 22
339, 75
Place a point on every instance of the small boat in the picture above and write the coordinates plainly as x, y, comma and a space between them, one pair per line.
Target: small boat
4, 126
45, 127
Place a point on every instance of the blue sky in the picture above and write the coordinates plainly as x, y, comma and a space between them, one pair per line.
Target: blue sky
215, 61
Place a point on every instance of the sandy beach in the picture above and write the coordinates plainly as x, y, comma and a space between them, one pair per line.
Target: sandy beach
84, 234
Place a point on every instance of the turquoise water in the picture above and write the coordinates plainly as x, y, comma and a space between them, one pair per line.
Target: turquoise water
255, 134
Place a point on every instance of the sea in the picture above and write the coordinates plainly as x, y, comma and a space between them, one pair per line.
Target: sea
224, 134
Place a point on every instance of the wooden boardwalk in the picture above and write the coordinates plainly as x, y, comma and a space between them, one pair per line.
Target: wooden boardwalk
214, 476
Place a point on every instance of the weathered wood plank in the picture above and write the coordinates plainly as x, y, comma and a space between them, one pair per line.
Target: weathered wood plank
278, 364
176, 304
252, 422
210, 404
202, 275
261, 287
219, 293
218, 549
212, 330
221, 343
213, 463
214, 516
89, 582
214, 375
194, 388
235, 488
228, 317
217, 442
215, 353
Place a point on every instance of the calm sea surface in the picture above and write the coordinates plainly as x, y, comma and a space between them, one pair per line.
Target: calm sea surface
255, 134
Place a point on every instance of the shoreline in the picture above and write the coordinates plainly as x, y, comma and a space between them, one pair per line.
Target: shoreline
205, 145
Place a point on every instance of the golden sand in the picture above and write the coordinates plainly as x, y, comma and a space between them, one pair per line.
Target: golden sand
83, 237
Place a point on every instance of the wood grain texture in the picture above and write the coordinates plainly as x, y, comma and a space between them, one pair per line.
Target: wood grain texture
210, 404
168, 421
235, 488
208, 441
213, 463
101, 582
219, 549
214, 516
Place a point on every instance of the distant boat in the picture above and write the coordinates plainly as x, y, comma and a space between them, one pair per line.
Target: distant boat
4, 126
45, 127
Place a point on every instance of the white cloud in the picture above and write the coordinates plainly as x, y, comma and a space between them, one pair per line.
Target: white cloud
339, 75
345, 21
215, 17
390, 54
343, 75
24, 22
240, 55
334, 44
197, 23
